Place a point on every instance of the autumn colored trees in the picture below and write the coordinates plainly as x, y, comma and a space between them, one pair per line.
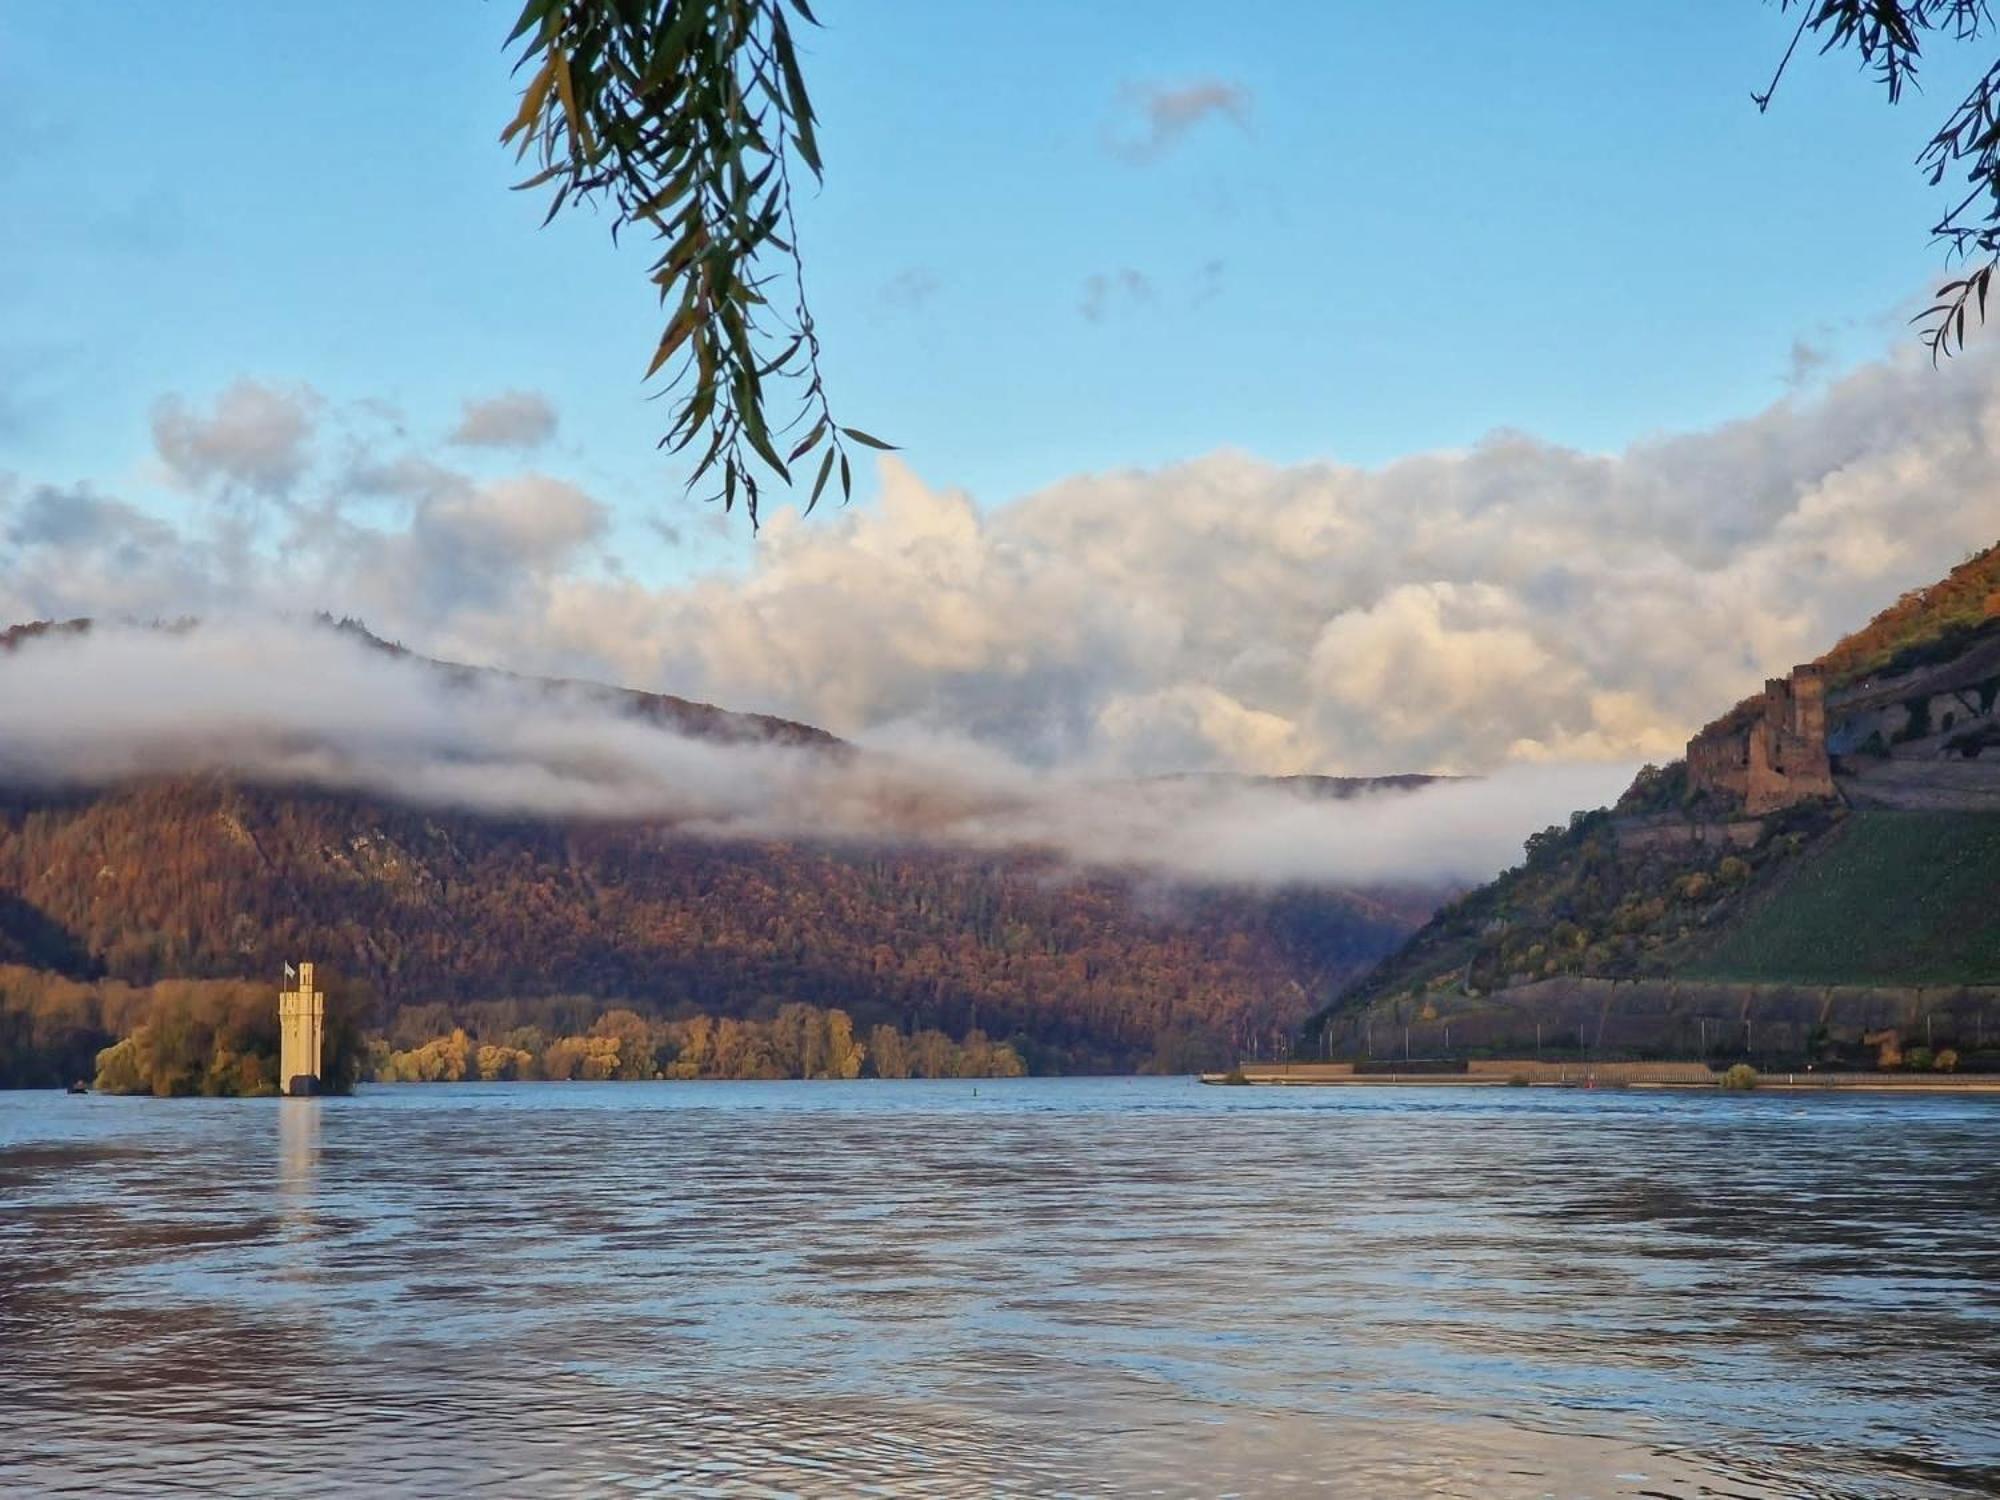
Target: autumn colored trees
440, 920
800, 1041
220, 1037
1927, 624
176, 1037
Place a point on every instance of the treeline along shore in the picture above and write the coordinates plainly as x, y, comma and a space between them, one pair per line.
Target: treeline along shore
220, 1038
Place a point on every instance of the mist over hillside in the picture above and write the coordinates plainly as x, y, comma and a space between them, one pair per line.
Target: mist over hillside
208, 799
307, 704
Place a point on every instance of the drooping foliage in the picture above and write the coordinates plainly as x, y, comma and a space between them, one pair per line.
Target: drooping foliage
1890, 38
682, 119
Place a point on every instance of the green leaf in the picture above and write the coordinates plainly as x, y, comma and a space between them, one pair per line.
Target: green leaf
806, 444
532, 15
825, 468
677, 115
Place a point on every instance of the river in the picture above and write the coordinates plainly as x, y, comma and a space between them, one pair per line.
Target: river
1047, 1287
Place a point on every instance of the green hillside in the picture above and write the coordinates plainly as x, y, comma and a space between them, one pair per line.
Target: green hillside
1676, 883
1887, 898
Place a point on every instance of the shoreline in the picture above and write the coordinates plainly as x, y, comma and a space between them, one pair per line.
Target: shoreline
1682, 1077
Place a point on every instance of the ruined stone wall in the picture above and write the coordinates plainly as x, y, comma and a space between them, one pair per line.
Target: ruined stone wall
1672, 831
1769, 751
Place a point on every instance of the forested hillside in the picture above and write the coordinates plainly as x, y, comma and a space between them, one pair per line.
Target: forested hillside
1925, 624
205, 877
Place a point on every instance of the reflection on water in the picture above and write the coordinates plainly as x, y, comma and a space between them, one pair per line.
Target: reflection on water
1127, 1287
298, 1158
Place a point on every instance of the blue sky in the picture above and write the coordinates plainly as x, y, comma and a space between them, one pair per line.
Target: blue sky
1459, 386
1427, 223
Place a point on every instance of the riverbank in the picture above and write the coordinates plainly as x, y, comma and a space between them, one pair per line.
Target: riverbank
1528, 1073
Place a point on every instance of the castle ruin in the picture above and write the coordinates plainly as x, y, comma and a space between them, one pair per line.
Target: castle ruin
1769, 751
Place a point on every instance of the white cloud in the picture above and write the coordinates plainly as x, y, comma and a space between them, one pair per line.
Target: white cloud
512, 419
1457, 611
256, 437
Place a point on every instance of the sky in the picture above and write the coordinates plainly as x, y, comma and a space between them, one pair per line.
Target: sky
1295, 387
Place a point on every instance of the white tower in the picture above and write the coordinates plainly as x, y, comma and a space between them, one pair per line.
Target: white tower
301, 1032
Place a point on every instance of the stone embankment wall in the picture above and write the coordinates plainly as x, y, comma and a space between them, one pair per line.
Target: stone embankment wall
1580, 1072
1940, 784
1670, 1018
1671, 831
1296, 1072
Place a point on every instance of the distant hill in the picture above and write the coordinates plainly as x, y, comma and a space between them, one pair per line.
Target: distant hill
684, 715
1840, 829
427, 915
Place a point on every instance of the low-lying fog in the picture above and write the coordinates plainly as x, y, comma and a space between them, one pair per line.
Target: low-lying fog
302, 703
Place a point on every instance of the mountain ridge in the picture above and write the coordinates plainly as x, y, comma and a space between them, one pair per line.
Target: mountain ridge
440, 910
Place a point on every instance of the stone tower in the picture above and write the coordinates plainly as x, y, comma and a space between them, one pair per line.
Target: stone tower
301, 1032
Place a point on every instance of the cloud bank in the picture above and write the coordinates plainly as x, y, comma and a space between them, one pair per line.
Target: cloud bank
292, 703
1514, 603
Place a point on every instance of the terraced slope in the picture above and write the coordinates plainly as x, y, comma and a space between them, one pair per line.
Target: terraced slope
1894, 898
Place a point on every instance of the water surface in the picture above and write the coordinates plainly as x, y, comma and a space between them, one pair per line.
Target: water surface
1130, 1287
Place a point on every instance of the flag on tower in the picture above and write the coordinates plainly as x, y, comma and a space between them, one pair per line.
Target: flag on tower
290, 972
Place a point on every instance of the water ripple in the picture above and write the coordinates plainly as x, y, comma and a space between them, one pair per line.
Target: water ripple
1041, 1287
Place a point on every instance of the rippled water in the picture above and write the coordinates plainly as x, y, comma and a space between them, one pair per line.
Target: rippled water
1047, 1287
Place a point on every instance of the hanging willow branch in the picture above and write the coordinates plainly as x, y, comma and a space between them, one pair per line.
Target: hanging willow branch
1889, 37
682, 116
